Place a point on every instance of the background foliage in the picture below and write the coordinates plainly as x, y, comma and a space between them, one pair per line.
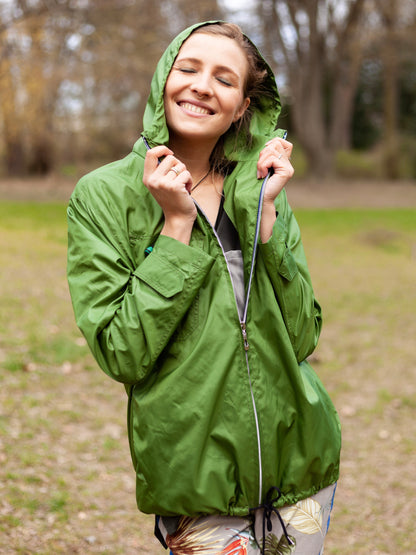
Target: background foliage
75, 75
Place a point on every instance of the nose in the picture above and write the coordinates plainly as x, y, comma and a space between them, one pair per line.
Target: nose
201, 85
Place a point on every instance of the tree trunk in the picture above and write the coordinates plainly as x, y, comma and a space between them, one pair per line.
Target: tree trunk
391, 158
318, 57
309, 121
342, 106
14, 157
345, 70
14, 152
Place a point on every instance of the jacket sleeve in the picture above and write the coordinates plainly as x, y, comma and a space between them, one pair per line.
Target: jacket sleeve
286, 265
126, 314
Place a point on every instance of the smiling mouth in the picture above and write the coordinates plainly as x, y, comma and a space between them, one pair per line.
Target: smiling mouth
195, 109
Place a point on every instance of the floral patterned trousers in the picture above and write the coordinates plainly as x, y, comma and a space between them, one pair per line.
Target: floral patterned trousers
305, 525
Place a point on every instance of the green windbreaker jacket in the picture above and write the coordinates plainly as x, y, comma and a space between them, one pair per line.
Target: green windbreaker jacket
219, 410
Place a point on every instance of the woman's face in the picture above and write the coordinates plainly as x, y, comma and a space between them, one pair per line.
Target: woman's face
204, 90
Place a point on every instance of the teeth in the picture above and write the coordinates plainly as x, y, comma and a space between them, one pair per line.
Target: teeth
193, 108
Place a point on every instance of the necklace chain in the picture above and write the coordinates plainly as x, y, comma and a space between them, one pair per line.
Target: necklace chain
213, 184
201, 180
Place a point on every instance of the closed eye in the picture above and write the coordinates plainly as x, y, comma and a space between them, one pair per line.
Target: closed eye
187, 70
224, 81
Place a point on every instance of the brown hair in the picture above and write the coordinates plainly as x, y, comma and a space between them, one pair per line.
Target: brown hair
254, 86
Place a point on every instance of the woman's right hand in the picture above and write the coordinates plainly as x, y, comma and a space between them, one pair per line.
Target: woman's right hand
171, 189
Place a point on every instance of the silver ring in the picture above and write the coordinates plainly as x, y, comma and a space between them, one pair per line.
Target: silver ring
175, 169
280, 155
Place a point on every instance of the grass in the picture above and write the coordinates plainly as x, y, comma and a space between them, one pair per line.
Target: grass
67, 484
363, 265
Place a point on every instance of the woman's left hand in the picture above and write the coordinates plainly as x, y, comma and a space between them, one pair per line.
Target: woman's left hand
276, 154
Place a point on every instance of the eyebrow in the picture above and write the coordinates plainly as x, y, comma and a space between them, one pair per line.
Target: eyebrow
197, 61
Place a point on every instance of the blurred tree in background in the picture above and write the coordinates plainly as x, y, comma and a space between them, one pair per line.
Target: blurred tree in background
318, 46
75, 75
331, 54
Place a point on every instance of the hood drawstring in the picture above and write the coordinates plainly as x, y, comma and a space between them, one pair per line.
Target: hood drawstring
145, 142
268, 509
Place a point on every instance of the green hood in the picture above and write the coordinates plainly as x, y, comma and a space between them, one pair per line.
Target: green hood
263, 122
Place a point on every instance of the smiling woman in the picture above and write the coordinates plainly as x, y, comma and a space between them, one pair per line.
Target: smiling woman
189, 281
202, 96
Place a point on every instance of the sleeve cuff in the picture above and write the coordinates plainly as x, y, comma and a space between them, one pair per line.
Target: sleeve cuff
277, 254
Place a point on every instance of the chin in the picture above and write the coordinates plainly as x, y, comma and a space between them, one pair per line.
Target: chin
194, 135
199, 132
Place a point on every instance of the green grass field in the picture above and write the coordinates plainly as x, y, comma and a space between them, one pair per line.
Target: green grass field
67, 483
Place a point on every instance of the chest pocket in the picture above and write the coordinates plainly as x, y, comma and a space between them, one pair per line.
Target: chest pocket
138, 244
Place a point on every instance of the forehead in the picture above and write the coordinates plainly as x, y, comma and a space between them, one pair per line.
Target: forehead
214, 50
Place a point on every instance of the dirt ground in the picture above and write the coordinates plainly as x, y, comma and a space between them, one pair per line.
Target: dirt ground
302, 193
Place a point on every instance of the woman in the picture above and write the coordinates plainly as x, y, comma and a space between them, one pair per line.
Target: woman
189, 281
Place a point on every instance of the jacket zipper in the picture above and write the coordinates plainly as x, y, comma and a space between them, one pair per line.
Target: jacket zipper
245, 337
243, 321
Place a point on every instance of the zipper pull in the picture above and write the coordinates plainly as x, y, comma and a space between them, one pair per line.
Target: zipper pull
244, 331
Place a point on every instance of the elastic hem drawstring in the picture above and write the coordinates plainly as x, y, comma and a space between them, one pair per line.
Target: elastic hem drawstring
268, 509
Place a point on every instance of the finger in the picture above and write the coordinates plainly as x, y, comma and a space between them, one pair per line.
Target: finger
162, 173
278, 141
272, 147
288, 147
180, 175
267, 157
156, 171
273, 141
271, 152
277, 146
279, 162
173, 167
280, 144
175, 172
153, 156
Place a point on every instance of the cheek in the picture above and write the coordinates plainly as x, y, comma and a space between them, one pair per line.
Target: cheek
168, 112
166, 93
167, 97
238, 107
170, 88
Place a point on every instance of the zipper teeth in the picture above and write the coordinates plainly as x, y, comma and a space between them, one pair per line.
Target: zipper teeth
256, 239
256, 418
243, 324
243, 328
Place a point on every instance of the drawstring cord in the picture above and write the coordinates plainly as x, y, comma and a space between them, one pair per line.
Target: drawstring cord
268, 510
